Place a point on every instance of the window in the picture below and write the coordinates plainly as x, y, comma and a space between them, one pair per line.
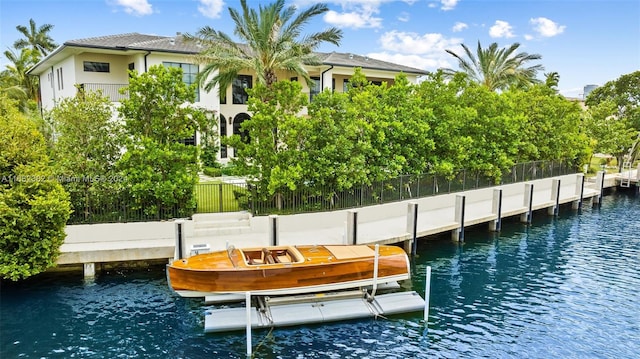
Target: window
92, 66
239, 93
345, 86
295, 78
189, 74
223, 133
60, 79
315, 89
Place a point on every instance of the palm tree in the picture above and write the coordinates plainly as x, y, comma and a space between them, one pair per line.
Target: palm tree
14, 81
36, 38
497, 69
551, 79
271, 42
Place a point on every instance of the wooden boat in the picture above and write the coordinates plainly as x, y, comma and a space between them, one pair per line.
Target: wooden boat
286, 269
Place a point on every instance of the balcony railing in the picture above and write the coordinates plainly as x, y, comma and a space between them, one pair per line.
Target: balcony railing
111, 91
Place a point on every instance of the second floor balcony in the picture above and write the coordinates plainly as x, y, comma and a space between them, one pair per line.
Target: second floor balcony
111, 91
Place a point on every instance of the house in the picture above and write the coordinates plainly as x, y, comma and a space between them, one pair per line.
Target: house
102, 63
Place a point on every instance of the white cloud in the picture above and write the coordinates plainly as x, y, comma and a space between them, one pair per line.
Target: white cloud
448, 4
211, 8
459, 26
546, 27
417, 61
501, 29
426, 51
404, 16
135, 7
352, 19
528, 37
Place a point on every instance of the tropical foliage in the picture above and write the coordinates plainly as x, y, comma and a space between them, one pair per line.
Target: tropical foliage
86, 150
34, 207
497, 68
26, 52
271, 41
376, 133
616, 105
159, 168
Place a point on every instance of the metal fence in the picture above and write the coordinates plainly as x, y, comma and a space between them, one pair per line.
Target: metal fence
118, 207
228, 197
224, 197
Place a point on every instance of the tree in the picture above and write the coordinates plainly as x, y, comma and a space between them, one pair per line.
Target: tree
87, 148
272, 159
160, 169
497, 69
624, 93
14, 80
551, 79
36, 38
272, 43
34, 207
610, 134
552, 125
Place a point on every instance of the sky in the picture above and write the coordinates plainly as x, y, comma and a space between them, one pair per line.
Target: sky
585, 41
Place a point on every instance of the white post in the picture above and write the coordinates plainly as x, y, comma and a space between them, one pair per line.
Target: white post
600, 187
247, 298
375, 271
555, 197
528, 203
496, 208
427, 291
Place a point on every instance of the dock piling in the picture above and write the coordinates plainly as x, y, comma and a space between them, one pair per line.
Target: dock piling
180, 243
412, 225
555, 196
458, 233
352, 227
526, 217
496, 208
599, 187
273, 229
579, 192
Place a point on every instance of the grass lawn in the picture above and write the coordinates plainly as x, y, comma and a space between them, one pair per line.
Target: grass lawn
208, 197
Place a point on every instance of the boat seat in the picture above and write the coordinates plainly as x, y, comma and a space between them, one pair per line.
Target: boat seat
284, 259
267, 257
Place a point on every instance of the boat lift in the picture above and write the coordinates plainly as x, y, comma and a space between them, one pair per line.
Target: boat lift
312, 309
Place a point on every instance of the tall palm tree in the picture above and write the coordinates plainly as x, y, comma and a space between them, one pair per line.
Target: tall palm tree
36, 38
14, 81
271, 41
497, 69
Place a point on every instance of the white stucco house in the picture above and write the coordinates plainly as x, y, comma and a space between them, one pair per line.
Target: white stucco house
102, 63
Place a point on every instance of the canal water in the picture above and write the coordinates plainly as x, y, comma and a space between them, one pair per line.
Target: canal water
564, 287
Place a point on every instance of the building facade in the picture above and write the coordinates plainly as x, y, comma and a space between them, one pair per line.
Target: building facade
103, 63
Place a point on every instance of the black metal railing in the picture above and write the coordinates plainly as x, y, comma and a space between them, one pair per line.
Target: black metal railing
111, 91
228, 197
397, 189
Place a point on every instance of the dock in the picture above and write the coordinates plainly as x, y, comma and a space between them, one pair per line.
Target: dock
403, 222
312, 309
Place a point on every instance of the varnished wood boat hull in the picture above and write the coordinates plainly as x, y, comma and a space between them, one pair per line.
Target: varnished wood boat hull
316, 271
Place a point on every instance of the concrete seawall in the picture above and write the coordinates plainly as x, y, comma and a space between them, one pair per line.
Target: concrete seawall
385, 223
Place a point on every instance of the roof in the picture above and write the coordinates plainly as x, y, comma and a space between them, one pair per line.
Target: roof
353, 60
176, 44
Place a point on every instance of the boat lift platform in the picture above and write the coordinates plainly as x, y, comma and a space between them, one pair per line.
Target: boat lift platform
270, 312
